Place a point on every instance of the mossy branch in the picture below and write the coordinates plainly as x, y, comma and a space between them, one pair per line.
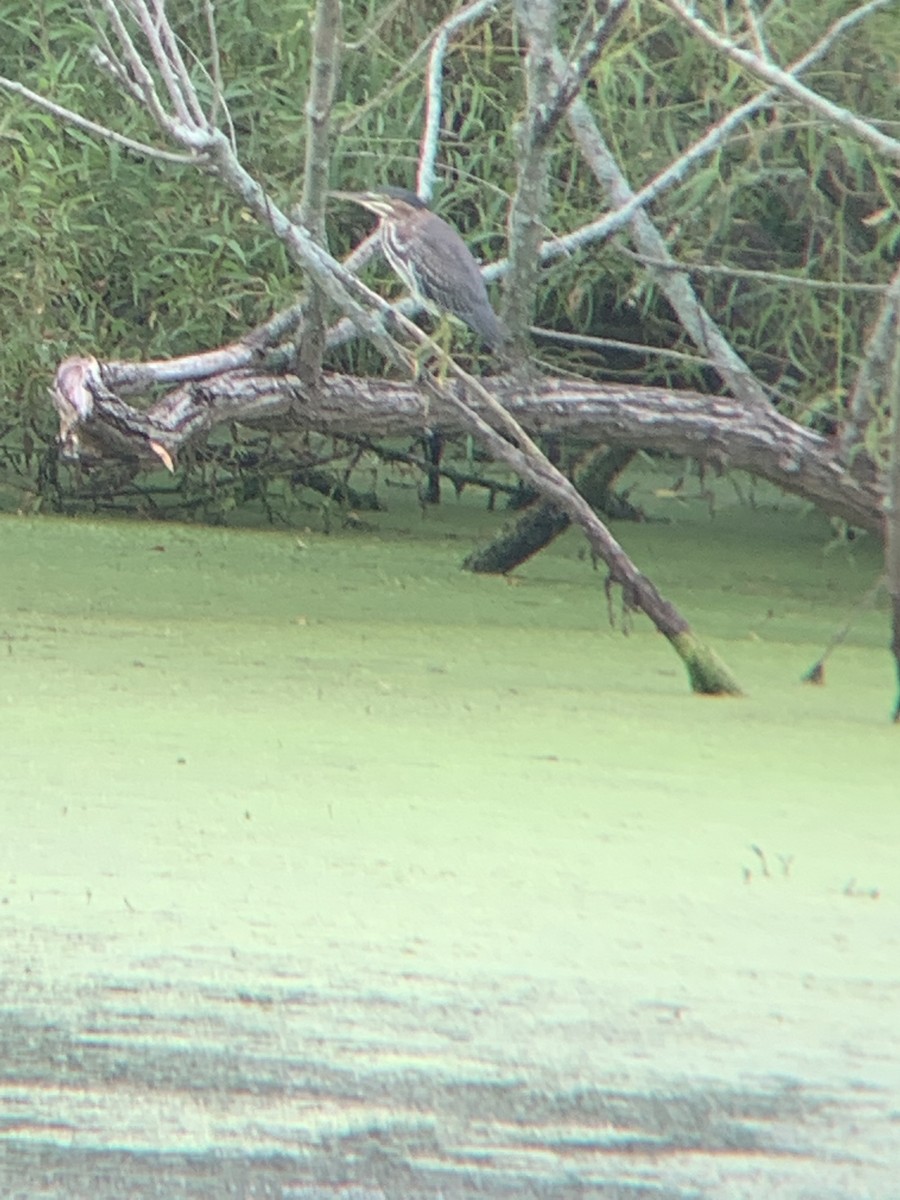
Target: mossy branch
708, 674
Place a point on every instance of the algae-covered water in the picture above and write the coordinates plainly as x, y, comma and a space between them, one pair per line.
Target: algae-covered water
329, 869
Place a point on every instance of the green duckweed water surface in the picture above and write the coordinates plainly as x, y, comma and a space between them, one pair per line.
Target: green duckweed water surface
341, 758
173, 673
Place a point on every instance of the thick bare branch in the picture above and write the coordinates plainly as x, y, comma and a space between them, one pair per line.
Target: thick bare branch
537, 21
254, 349
715, 430
319, 104
871, 388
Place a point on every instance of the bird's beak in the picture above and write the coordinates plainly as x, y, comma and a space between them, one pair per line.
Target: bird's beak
354, 197
367, 200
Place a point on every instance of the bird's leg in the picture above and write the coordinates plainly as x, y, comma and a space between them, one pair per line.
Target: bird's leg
443, 339
420, 358
434, 352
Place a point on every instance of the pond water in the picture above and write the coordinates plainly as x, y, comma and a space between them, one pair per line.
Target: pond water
327, 869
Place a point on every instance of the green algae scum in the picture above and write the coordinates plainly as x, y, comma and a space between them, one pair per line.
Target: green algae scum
329, 869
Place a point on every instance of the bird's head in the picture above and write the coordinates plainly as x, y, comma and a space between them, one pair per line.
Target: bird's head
394, 203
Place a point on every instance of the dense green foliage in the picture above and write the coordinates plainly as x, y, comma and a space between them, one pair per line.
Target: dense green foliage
106, 253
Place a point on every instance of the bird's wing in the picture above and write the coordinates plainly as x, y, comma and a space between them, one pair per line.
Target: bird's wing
464, 293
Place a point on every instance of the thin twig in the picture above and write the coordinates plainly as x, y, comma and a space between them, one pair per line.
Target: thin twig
163, 47
589, 342
183, 81
816, 673
714, 138
786, 81
572, 82
101, 131
403, 72
434, 77
215, 71
800, 281
104, 55
140, 85
677, 288
755, 27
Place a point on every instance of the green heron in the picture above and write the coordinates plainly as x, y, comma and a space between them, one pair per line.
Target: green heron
431, 259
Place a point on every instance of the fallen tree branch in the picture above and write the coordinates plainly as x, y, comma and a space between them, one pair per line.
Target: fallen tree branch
96, 423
